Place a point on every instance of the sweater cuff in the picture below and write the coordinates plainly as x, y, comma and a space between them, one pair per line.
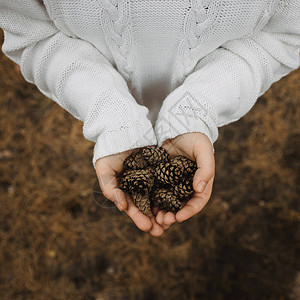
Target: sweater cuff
126, 138
186, 114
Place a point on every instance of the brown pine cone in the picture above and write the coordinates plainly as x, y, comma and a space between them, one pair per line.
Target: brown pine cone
183, 189
142, 202
135, 161
155, 155
167, 173
126, 180
153, 178
137, 181
187, 165
166, 200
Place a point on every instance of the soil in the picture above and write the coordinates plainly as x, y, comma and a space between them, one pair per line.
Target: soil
58, 242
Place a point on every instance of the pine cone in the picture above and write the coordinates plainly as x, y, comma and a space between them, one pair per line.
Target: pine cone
183, 189
142, 202
167, 173
126, 180
137, 181
153, 178
155, 155
135, 161
187, 165
166, 200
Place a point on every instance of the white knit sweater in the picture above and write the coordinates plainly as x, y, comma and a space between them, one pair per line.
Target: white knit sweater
137, 72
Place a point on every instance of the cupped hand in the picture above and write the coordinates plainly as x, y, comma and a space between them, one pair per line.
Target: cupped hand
107, 169
197, 147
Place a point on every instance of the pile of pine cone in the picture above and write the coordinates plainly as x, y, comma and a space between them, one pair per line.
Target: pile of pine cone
153, 178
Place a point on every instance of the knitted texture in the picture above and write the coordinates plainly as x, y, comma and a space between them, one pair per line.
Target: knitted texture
123, 67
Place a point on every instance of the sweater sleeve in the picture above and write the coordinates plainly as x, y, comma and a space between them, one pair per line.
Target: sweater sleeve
77, 76
226, 83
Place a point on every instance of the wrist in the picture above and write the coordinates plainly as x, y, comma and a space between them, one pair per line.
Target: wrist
124, 139
184, 111
170, 126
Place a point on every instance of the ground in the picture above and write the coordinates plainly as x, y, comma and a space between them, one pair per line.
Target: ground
56, 242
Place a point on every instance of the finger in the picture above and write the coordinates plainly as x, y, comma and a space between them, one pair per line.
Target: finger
160, 217
165, 227
169, 218
142, 221
206, 166
167, 145
156, 230
195, 204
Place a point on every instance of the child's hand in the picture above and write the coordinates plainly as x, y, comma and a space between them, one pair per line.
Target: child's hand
197, 147
107, 168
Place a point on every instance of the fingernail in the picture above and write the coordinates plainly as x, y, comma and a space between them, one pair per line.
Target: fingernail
119, 205
201, 186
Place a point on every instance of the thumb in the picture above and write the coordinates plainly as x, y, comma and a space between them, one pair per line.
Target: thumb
108, 184
206, 168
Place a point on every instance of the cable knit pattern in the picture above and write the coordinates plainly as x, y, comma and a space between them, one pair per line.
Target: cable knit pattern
196, 22
118, 34
124, 66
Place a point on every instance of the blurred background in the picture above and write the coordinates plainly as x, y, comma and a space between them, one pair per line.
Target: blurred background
58, 243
